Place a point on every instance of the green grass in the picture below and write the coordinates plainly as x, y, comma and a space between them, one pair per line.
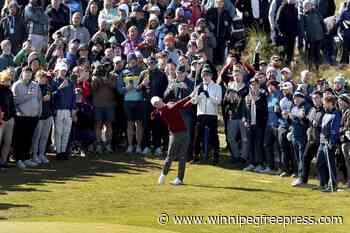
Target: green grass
119, 189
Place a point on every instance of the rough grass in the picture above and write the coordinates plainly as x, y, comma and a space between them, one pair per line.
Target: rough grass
119, 189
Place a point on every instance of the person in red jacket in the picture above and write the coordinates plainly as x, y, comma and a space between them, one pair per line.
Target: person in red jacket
178, 137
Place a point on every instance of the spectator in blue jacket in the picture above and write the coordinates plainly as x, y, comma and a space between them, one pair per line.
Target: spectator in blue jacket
63, 92
164, 29
271, 131
299, 127
328, 139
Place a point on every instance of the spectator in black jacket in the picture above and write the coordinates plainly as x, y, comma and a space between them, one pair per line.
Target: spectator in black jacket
287, 26
12, 27
256, 102
90, 19
219, 22
153, 82
58, 15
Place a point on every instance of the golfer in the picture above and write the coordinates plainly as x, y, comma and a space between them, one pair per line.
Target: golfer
178, 137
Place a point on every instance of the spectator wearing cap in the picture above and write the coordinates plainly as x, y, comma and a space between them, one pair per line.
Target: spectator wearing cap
103, 99
12, 27
133, 40
313, 29
90, 19
256, 104
72, 53
127, 85
37, 25
287, 24
6, 57
208, 98
340, 85
42, 130
108, 13
83, 51
299, 127
58, 14
123, 11
164, 29
118, 30
169, 47
137, 18
27, 99
219, 21
8, 109
64, 104
202, 62
271, 131
179, 16
344, 107
181, 88
153, 82
288, 163
75, 30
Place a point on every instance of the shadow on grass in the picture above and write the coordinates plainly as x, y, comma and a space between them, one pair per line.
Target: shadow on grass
244, 189
6, 206
77, 169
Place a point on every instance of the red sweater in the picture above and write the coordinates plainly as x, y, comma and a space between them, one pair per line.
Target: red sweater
172, 116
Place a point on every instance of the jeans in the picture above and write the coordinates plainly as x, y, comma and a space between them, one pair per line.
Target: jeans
41, 136
177, 150
233, 127
212, 123
6, 133
299, 148
63, 125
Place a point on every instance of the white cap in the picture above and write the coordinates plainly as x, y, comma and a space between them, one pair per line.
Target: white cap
61, 66
124, 7
154, 8
155, 99
286, 69
117, 59
287, 86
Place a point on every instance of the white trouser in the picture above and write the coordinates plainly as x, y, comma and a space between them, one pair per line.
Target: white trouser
41, 135
63, 124
6, 133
